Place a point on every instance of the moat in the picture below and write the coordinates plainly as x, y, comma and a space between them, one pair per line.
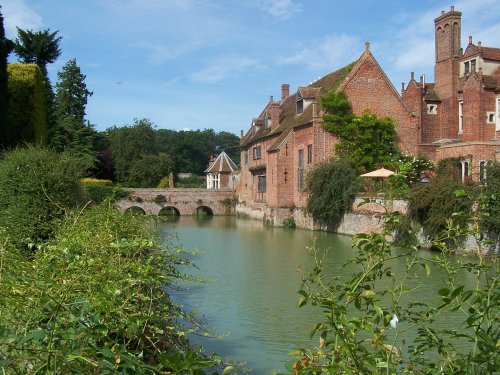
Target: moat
253, 274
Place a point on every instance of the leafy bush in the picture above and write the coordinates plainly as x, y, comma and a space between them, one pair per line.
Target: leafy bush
26, 106
99, 193
96, 181
490, 206
331, 188
37, 186
193, 181
439, 202
367, 316
159, 199
289, 223
94, 300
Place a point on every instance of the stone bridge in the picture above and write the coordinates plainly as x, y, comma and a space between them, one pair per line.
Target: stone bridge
179, 201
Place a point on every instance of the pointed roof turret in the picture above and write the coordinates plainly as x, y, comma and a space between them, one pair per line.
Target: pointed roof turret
222, 163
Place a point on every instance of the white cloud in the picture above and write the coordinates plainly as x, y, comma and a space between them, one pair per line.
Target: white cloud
281, 9
332, 51
17, 13
225, 67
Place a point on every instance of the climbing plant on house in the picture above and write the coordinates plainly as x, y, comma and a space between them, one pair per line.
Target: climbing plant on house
366, 142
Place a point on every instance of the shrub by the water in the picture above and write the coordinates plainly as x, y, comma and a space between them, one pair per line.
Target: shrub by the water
37, 186
94, 301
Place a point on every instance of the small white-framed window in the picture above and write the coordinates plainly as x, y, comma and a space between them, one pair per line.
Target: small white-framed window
467, 67
460, 117
490, 117
256, 153
432, 109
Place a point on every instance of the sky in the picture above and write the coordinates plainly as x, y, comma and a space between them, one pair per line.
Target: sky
199, 64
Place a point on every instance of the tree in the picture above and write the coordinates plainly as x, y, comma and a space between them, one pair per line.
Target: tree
70, 132
71, 92
366, 141
6, 47
149, 170
40, 48
331, 188
130, 143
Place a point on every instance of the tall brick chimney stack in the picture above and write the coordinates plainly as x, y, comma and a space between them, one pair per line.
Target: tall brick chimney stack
285, 91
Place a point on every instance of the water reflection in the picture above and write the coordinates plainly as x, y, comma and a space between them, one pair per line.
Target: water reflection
255, 273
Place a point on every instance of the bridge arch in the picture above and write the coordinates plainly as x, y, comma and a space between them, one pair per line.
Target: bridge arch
203, 211
169, 211
136, 210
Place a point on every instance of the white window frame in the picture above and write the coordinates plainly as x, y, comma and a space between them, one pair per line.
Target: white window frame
460, 116
465, 163
432, 109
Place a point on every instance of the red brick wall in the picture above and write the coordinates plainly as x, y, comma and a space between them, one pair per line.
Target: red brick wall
370, 90
284, 185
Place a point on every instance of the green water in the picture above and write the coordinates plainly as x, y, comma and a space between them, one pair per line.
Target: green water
254, 274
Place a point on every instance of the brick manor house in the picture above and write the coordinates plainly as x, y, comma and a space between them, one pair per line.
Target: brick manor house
456, 116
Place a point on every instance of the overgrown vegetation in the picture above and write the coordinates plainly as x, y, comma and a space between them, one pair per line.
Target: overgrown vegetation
84, 290
367, 317
490, 201
37, 186
436, 204
331, 188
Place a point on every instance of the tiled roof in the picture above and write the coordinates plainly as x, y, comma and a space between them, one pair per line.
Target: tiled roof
491, 82
490, 53
222, 163
289, 119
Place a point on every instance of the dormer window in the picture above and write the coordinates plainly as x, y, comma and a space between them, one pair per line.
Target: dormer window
267, 123
300, 103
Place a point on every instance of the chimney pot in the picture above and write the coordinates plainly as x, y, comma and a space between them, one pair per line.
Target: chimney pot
285, 91
470, 39
412, 76
402, 87
367, 46
442, 12
271, 98
241, 133
452, 8
421, 79
479, 44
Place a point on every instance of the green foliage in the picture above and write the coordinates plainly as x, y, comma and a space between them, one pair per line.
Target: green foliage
366, 141
437, 204
26, 117
193, 181
96, 181
490, 203
289, 223
190, 150
6, 47
331, 188
128, 144
159, 199
367, 317
71, 92
148, 170
100, 193
37, 186
70, 132
38, 47
94, 301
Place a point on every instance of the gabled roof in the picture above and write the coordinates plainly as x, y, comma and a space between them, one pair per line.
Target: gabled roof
487, 53
222, 164
491, 82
